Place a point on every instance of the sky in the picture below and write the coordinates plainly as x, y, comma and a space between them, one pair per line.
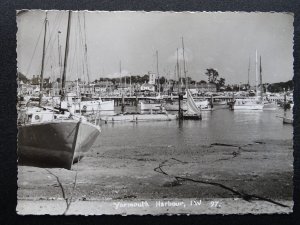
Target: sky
127, 42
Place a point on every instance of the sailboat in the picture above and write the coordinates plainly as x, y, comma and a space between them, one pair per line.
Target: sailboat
153, 103
249, 103
192, 112
54, 138
268, 105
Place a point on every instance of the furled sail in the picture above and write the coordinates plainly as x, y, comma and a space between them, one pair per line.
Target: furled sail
191, 105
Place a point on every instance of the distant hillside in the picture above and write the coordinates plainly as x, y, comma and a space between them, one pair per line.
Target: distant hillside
281, 86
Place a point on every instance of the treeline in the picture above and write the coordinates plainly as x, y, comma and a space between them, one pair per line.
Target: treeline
145, 79
281, 86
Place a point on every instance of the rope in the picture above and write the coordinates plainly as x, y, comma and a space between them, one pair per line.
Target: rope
28, 68
245, 196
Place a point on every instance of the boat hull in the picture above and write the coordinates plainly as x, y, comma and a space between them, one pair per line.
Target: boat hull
247, 107
90, 106
192, 117
150, 106
55, 144
175, 107
139, 117
287, 120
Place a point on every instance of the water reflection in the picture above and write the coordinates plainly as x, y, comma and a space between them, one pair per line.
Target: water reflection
222, 126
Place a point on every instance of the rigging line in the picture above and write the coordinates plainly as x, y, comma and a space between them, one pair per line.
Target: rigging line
56, 24
85, 43
55, 27
84, 47
80, 44
80, 48
75, 52
35, 47
49, 40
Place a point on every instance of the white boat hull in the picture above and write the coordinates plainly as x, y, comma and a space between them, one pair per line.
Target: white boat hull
150, 106
246, 104
139, 117
90, 106
248, 107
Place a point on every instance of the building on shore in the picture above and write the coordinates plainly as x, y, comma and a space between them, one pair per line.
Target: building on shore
147, 87
207, 87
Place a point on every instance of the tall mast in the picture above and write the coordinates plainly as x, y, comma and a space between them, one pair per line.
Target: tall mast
130, 83
260, 79
179, 107
177, 68
85, 48
249, 73
43, 63
59, 54
184, 71
256, 74
157, 71
120, 73
66, 56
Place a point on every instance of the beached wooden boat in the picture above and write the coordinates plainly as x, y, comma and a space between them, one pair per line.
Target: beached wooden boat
56, 144
53, 138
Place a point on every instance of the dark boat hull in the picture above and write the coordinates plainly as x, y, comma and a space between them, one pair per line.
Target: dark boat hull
55, 144
187, 116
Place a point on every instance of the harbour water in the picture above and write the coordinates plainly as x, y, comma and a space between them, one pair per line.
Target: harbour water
221, 126
250, 152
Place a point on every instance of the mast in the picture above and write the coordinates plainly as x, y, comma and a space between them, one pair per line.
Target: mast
256, 74
43, 63
179, 95
130, 83
85, 49
184, 71
120, 74
249, 73
66, 57
157, 72
260, 79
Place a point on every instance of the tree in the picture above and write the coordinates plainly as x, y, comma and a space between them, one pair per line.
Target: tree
228, 88
221, 82
202, 82
281, 86
58, 80
212, 75
145, 78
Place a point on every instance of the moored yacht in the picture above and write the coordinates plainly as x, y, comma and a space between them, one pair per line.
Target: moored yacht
53, 138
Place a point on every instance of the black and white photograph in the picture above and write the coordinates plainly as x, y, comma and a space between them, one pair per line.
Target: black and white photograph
154, 113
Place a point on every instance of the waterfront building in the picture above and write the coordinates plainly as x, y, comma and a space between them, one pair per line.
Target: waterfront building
152, 78
148, 87
208, 87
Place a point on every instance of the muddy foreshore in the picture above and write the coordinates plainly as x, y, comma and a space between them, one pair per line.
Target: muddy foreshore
225, 171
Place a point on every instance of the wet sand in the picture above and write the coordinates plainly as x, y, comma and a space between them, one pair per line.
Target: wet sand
131, 175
